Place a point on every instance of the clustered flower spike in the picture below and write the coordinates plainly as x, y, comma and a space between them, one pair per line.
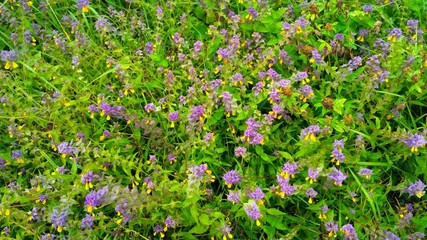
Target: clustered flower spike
231, 178
310, 133
349, 232
416, 188
252, 211
332, 229
337, 176
415, 141
337, 154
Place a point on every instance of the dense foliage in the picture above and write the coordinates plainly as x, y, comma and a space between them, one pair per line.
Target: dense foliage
213, 119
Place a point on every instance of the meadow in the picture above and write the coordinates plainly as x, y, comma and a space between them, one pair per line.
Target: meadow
227, 119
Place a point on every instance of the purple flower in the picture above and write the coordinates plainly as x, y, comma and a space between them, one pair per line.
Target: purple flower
66, 148
332, 228
16, 155
285, 58
171, 158
312, 175
94, 199
415, 141
234, 196
416, 236
349, 232
158, 229
222, 54
306, 92
35, 214
170, 223
149, 107
196, 114
365, 172
354, 63
226, 230
367, 9
198, 46
395, 34
310, 133
289, 169
316, 57
159, 13
199, 171
416, 188
103, 25
301, 76
59, 219
149, 48
256, 194
231, 177
252, 13
337, 176
311, 193
123, 211
83, 5
339, 37
339, 144
338, 156
240, 152
87, 222
252, 211
87, 180
42, 198
2, 163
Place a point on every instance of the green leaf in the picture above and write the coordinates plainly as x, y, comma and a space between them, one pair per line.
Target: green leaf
199, 229
204, 219
286, 155
274, 211
339, 105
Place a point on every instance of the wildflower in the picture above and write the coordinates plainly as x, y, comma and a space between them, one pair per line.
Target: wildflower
365, 172
306, 92
223, 54
310, 133
42, 198
302, 76
285, 188
416, 236
123, 212
415, 141
338, 156
349, 232
289, 169
10, 57
112, 111
66, 148
257, 88
17, 155
332, 229
416, 188
231, 177
62, 170
252, 13
362, 34
87, 180
395, 34
312, 175
173, 117
277, 112
2, 163
196, 114
257, 195
339, 37
59, 219
337, 176
87, 222
158, 229
92, 200
35, 214
149, 48
311, 193
367, 9
324, 209
149, 183
197, 46
226, 230
301, 23
169, 223
285, 58
149, 107
171, 158
83, 5
199, 171
48, 236
228, 103
234, 196
159, 13
316, 57
354, 63
240, 152
103, 25
274, 96
252, 211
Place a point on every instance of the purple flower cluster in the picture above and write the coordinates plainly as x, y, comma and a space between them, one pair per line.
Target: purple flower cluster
310, 133
331, 228
240, 152
231, 178
196, 114
59, 219
234, 196
256, 194
415, 141
365, 172
87, 222
199, 171
252, 211
109, 111
337, 154
66, 148
337, 176
251, 135
349, 232
416, 188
